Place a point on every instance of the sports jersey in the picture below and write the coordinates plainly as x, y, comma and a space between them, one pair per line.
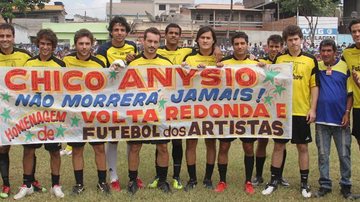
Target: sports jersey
51, 62
351, 56
305, 70
231, 60
195, 58
16, 59
109, 53
333, 92
71, 60
141, 60
176, 56
266, 60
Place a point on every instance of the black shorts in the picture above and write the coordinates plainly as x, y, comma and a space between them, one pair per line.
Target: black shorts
356, 123
283, 141
51, 147
301, 133
226, 139
149, 142
248, 140
81, 144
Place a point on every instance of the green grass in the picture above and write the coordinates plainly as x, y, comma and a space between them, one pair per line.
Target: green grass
235, 176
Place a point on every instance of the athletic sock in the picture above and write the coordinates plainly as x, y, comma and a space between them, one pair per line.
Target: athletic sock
27, 180
222, 172
177, 154
133, 175
111, 158
304, 174
283, 164
101, 176
249, 167
55, 180
163, 171
79, 176
275, 173
33, 170
260, 161
192, 172
209, 171
4, 168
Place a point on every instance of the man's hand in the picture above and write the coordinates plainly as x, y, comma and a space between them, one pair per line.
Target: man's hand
311, 116
356, 78
346, 119
218, 54
201, 66
117, 65
261, 64
220, 64
130, 57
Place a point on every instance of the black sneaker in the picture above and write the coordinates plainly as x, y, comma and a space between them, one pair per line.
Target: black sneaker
190, 185
103, 187
322, 192
346, 191
257, 181
132, 187
208, 184
78, 189
164, 186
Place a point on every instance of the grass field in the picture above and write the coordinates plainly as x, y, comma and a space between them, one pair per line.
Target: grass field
235, 176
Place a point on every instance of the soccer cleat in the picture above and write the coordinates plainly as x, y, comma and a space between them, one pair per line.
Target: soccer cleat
270, 188
78, 189
5, 192
164, 186
24, 191
154, 184
220, 187
284, 182
57, 191
140, 183
190, 185
133, 187
257, 181
346, 192
305, 190
249, 189
208, 184
103, 187
322, 192
37, 187
115, 186
177, 184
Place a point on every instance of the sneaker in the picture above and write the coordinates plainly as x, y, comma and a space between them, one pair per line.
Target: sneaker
257, 181
56, 190
133, 187
220, 187
65, 152
190, 185
5, 192
208, 184
346, 191
249, 189
284, 182
270, 188
305, 190
154, 184
164, 186
78, 189
115, 186
24, 191
103, 187
140, 183
37, 187
177, 184
322, 192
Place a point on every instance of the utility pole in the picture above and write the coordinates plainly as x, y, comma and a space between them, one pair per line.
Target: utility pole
110, 12
230, 19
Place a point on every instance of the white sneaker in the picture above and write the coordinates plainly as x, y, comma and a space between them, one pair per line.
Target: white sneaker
56, 190
305, 191
23, 191
270, 188
65, 152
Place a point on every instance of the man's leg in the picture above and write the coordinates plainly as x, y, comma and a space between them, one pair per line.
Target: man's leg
191, 163
55, 163
133, 165
210, 162
100, 160
78, 166
111, 158
163, 165
260, 160
223, 158
248, 147
4, 165
177, 155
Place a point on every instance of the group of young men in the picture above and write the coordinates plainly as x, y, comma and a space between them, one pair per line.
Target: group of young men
323, 93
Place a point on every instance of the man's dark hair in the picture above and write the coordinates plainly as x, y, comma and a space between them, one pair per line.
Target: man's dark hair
328, 42
292, 30
46, 34
202, 31
8, 26
172, 25
353, 22
121, 20
275, 38
153, 30
84, 33
242, 35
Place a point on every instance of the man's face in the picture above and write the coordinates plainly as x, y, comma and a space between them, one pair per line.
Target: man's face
45, 47
206, 41
6, 39
240, 46
151, 43
274, 48
293, 43
173, 36
118, 33
355, 33
327, 54
83, 46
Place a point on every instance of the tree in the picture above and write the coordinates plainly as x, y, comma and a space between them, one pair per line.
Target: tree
7, 7
311, 10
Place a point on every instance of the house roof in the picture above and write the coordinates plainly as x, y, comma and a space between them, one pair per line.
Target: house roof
236, 7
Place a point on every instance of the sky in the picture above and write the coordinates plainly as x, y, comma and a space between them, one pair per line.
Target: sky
96, 8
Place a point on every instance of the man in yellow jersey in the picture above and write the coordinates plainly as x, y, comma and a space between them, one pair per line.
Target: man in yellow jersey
152, 38
275, 45
240, 56
118, 48
9, 57
84, 40
305, 95
46, 41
